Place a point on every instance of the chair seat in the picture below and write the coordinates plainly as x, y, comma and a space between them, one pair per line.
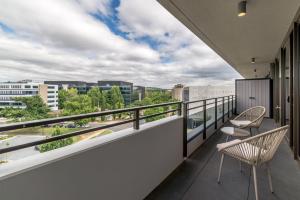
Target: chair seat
232, 131
239, 123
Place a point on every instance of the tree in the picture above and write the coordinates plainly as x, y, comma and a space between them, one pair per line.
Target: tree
64, 95
116, 98
35, 108
55, 144
155, 97
79, 104
96, 96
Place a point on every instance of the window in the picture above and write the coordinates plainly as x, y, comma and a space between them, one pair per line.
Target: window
35, 86
27, 86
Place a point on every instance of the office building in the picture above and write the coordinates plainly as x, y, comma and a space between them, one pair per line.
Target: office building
10, 90
81, 86
125, 87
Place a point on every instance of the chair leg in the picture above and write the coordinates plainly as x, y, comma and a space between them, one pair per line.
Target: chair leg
227, 138
270, 177
255, 182
220, 168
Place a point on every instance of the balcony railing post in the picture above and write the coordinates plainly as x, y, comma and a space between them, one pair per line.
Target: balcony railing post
228, 106
232, 105
184, 135
235, 104
179, 112
136, 123
216, 113
204, 119
223, 109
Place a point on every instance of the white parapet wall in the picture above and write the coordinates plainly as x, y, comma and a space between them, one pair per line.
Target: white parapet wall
125, 165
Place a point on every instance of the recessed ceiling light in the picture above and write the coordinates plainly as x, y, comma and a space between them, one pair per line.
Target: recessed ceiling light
242, 8
252, 60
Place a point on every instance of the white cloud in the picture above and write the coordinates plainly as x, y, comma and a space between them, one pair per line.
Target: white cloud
94, 6
55, 39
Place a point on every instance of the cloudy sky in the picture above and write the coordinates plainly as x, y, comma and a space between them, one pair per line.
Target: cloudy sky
90, 40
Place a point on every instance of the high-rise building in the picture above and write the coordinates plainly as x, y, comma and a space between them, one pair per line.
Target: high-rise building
125, 87
11, 90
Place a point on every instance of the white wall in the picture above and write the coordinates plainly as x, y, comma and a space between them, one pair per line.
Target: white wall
124, 165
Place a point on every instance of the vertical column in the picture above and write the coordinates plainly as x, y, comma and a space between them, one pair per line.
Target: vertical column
276, 91
216, 113
296, 90
204, 119
228, 104
272, 98
282, 86
223, 109
184, 135
232, 105
291, 89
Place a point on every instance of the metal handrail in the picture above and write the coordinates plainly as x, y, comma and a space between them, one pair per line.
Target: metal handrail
135, 120
78, 117
181, 109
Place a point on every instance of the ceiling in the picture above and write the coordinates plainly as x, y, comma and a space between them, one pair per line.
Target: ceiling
259, 34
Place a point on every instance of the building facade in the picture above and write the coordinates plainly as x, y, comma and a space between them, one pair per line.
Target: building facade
11, 90
81, 86
125, 87
139, 93
177, 92
192, 93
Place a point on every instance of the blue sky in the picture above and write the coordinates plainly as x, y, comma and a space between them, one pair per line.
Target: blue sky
90, 40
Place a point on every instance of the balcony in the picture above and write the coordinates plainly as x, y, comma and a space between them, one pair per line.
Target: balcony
171, 158
196, 178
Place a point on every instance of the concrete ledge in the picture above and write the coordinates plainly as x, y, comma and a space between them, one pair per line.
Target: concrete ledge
127, 164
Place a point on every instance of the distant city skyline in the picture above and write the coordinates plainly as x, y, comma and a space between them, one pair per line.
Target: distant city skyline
91, 40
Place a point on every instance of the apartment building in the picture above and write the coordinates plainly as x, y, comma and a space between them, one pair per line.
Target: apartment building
11, 90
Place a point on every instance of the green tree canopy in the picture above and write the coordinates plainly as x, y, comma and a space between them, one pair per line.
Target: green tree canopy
79, 104
116, 99
98, 99
35, 109
65, 95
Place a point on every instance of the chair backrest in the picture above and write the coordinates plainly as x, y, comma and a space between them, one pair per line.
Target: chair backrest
260, 148
254, 114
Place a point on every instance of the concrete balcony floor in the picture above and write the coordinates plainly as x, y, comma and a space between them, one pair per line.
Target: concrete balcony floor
196, 178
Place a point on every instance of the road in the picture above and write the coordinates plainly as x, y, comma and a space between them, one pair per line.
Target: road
17, 140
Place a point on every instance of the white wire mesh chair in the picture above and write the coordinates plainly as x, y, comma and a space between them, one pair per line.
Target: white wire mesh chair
250, 118
254, 151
